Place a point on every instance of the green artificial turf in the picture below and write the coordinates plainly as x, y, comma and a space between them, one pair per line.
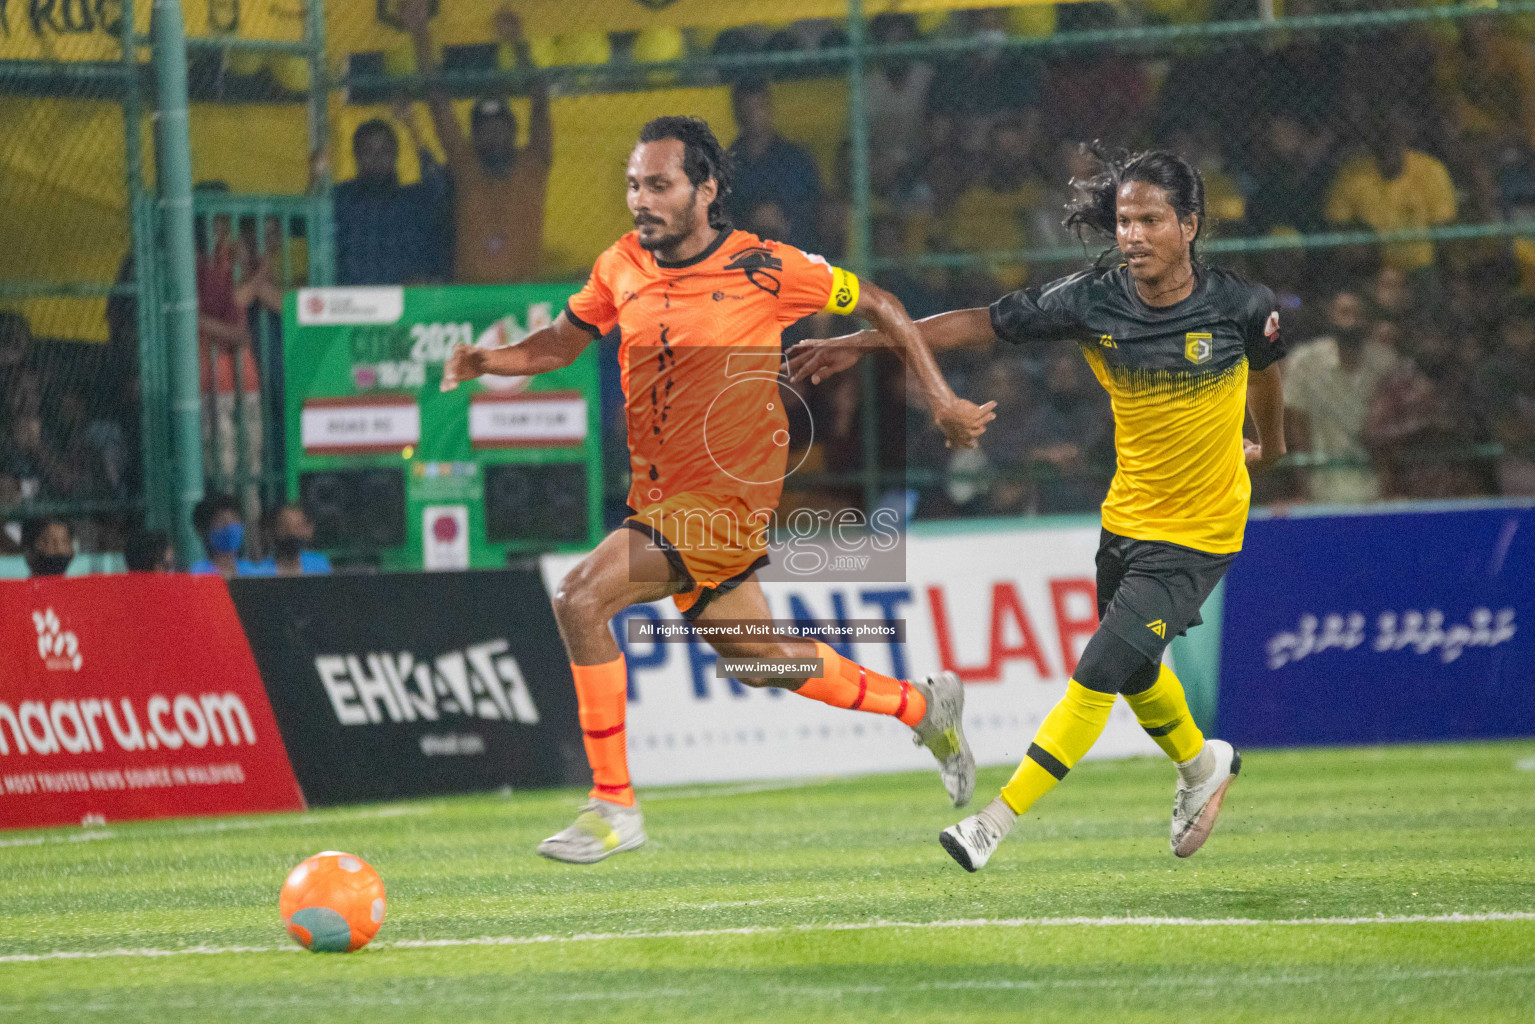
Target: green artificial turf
1394, 832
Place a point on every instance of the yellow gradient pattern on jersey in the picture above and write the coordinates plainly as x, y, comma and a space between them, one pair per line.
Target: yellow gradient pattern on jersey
1181, 477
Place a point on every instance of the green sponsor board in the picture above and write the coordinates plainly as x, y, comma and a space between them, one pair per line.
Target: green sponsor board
396, 471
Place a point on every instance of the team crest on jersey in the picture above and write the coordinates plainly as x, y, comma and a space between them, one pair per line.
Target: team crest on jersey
1107, 341
1198, 347
758, 264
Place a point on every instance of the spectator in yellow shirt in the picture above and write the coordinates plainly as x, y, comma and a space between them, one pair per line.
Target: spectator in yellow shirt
1392, 188
990, 214
1489, 77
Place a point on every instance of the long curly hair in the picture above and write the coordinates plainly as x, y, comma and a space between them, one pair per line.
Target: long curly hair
702, 158
1092, 207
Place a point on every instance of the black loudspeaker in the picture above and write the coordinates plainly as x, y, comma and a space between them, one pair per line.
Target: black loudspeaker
355, 509
536, 503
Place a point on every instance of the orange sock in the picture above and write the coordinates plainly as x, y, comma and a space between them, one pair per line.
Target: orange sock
601, 694
847, 684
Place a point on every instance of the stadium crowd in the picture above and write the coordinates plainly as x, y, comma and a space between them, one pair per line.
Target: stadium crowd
1412, 366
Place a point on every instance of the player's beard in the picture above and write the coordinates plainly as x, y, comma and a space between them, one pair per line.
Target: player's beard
685, 220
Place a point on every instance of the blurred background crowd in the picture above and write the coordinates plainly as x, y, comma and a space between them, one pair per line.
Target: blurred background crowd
1412, 365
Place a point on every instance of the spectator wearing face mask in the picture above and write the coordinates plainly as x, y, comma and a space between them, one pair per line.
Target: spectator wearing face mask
291, 533
48, 545
217, 521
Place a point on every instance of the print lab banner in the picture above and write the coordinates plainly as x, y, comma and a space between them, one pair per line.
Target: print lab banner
1010, 610
131, 697
1378, 628
411, 684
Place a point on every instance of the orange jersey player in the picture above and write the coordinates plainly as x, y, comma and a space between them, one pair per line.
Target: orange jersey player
700, 309
699, 357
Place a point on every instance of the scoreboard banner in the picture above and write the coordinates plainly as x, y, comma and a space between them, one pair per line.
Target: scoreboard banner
126, 697
1381, 627
1007, 607
390, 465
412, 684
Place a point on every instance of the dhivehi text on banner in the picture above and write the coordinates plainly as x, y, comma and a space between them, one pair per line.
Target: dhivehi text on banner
1380, 628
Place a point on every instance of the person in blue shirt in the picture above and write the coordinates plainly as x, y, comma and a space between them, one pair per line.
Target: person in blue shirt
771, 169
217, 521
291, 532
388, 233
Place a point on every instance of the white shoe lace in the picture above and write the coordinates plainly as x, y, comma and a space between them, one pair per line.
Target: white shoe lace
1182, 802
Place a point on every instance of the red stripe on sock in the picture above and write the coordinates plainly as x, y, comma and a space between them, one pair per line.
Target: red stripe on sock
610, 789
602, 734
905, 698
863, 689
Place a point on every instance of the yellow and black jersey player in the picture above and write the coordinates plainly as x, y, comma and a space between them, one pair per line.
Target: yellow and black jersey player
1185, 351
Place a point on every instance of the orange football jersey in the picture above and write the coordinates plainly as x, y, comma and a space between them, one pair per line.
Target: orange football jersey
699, 356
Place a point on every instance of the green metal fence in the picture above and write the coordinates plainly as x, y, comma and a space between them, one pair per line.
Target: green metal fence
1419, 58
122, 344
1142, 74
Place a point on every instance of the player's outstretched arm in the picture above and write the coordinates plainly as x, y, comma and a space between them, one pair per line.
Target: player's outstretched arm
819, 358
961, 421
1265, 400
548, 349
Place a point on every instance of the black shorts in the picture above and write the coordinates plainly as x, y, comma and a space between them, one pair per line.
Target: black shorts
1150, 591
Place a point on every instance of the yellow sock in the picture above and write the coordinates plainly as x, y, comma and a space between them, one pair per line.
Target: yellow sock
1163, 712
1068, 731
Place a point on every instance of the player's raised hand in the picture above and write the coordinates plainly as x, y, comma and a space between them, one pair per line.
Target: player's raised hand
820, 358
465, 362
962, 421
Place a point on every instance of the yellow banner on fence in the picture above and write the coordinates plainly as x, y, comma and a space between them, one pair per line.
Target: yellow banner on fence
89, 30
471, 22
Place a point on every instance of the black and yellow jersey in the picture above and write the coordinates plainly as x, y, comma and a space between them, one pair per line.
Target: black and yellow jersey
1177, 379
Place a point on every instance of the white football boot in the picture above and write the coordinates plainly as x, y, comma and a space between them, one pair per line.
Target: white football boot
942, 731
600, 830
1196, 805
974, 840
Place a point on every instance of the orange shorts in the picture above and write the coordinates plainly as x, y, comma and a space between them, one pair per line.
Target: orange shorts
714, 541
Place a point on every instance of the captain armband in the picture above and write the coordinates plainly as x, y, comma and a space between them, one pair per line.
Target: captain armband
844, 292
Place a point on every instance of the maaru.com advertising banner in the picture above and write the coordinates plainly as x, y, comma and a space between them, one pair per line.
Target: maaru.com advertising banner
131, 697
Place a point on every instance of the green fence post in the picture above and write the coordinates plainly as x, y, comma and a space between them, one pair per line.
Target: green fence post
174, 174
859, 242
153, 458
320, 229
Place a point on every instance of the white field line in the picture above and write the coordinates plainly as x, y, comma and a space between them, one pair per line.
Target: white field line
844, 926
155, 830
